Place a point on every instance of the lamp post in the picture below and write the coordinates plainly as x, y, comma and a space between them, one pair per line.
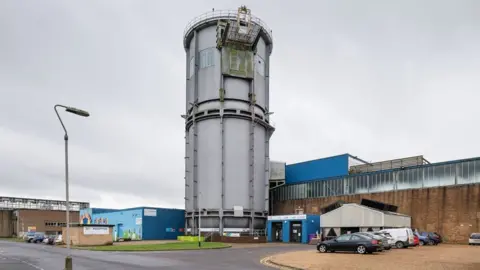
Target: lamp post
68, 259
199, 220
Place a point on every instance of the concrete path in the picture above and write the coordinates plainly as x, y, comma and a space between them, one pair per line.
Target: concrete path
23, 256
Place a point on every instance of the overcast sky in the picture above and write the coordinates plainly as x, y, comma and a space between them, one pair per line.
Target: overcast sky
377, 79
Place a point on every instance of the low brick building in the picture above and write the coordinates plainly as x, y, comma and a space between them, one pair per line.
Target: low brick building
21, 215
90, 234
452, 211
49, 222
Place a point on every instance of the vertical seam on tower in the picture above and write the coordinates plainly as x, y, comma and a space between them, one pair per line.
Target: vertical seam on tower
194, 126
268, 131
222, 126
252, 151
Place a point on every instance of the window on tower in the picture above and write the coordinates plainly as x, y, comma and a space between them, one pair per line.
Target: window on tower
207, 58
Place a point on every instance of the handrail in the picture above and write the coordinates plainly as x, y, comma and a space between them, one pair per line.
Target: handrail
220, 14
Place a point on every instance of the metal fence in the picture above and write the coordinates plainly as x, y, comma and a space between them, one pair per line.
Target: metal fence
434, 175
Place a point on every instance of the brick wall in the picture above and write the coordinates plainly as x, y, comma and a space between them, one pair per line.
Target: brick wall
453, 211
6, 223
38, 218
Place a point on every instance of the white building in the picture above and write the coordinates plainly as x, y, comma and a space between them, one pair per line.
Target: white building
353, 217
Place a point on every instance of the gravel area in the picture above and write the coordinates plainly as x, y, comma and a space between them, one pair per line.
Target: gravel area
443, 257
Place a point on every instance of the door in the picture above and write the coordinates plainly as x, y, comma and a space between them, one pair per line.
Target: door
342, 243
120, 231
352, 243
296, 232
277, 232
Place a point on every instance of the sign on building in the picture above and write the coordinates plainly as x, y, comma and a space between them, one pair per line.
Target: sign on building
95, 230
150, 212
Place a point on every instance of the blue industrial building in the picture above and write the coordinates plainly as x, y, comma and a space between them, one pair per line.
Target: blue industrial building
141, 223
292, 228
322, 168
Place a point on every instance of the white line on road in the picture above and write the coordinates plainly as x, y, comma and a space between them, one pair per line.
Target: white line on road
27, 263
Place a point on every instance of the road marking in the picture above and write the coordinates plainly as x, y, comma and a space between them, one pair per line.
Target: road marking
27, 263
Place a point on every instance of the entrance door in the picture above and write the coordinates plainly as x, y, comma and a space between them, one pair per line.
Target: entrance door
296, 231
120, 231
277, 232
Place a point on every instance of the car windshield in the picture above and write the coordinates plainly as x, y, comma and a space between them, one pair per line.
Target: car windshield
475, 236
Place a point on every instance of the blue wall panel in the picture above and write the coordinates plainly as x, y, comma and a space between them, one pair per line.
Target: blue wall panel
286, 231
128, 223
167, 224
317, 169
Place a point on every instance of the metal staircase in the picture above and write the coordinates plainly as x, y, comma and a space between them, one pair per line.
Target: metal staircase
239, 34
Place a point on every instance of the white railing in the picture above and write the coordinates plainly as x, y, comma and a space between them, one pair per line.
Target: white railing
221, 14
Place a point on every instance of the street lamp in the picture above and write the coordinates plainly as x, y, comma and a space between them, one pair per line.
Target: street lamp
68, 259
200, 210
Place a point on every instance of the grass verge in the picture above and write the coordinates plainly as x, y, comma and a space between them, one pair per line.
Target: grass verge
11, 239
160, 247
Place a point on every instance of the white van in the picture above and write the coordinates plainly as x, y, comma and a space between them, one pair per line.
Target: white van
403, 236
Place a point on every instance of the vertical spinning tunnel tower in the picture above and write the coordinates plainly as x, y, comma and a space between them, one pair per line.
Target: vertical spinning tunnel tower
227, 127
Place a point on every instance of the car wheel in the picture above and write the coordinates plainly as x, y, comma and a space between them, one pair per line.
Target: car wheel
421, 243
399, 244
322, 248
361, 249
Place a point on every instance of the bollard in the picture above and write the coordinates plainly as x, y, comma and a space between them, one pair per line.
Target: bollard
68, 263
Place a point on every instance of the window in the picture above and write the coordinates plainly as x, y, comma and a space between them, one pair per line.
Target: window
259, 65
356, 238
206, 58
234, 60
55, 224
344, 237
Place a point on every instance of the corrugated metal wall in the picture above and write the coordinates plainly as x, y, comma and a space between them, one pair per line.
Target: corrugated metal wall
166, 225
317, 169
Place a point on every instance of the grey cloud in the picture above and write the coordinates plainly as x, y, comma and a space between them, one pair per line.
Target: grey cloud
378, 79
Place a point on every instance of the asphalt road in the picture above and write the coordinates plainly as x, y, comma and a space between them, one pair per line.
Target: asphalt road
23, 256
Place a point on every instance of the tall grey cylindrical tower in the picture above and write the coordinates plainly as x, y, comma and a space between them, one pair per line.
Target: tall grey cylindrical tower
227, 127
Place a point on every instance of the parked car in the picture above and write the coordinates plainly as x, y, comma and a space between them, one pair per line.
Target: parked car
423, 239
403, 236
436, 238
390, 239
474, 239
29, 236
378, 236
433, 238
351, 242
58, 240
49, 240
38, 238
416, 240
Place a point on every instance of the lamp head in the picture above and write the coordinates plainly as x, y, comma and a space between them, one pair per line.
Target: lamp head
77, 111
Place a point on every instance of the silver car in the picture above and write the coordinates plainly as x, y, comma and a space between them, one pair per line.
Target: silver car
386, 245
474, 239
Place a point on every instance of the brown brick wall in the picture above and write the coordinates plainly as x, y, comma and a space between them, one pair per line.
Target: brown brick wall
37, 218
454, 211
6, 223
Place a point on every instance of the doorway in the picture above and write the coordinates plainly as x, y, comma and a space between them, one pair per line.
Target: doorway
277, 232
296, 231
